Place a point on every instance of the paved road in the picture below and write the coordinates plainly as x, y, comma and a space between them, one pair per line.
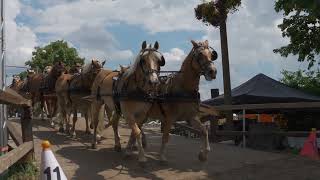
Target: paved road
225, 162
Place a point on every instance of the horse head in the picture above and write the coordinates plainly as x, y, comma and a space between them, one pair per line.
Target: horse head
77, 68
202, 60
47, 69
15, 80
149, 62
93, 67
58, 69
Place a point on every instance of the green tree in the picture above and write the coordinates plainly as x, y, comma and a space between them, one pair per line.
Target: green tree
301, 24
307, 81
215, 13
23, 74
55, 51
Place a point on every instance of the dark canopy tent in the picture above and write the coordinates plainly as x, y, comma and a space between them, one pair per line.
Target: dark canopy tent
262, 89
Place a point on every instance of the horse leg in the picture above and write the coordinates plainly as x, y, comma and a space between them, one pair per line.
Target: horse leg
42, 104
96, 109
54, 111
74, 121
130, 145
132, 141
138, 135
86, 116
115, 124
205, 148
144, 138
49, 106
62, 119
167, 123
67, 123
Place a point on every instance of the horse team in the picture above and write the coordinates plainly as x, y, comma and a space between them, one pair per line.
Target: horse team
136, 93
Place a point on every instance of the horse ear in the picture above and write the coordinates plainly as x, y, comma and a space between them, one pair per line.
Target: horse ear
195, 44
92, 61
104, 62
144, 45
206, 43
156, 45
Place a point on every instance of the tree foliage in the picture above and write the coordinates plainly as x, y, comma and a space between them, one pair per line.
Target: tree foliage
23, 74
301, 24
53, 52
307, 81
214, 12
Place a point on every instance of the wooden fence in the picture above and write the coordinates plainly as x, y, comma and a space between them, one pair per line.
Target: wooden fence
24, 138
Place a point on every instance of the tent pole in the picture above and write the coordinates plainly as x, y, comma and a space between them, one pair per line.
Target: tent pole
244, 128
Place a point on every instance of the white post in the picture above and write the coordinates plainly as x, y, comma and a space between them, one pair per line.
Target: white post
3, 114
244, 128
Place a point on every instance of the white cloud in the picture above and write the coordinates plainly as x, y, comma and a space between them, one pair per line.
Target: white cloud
153, 15
175, 54
20, 39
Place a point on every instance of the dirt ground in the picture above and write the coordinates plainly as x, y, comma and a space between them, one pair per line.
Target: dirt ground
225, 161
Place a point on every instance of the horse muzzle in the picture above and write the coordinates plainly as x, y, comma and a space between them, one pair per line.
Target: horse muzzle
153, 79
210, 74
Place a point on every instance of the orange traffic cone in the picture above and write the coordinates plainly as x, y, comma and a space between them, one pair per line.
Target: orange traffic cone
50, 168
310, 148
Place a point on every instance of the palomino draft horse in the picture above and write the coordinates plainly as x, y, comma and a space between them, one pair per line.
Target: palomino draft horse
39, 85
128, 92
178, 97
70, 89
16, 85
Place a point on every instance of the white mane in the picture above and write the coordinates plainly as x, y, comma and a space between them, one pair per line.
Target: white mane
133, 67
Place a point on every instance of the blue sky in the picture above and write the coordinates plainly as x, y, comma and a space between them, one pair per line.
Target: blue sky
114, 30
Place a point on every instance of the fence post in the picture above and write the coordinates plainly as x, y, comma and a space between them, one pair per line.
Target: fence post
26, 129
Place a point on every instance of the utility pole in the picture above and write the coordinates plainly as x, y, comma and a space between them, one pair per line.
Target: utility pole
3, 108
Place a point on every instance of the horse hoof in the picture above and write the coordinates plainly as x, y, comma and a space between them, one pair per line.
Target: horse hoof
52, 125
202, 157
117, 148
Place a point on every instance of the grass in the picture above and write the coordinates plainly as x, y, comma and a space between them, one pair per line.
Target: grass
23, 171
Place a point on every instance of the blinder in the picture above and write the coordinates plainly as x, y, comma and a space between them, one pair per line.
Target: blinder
214, 54
162, 62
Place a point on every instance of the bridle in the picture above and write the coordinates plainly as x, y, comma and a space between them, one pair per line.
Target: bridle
203, 65
141, 61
